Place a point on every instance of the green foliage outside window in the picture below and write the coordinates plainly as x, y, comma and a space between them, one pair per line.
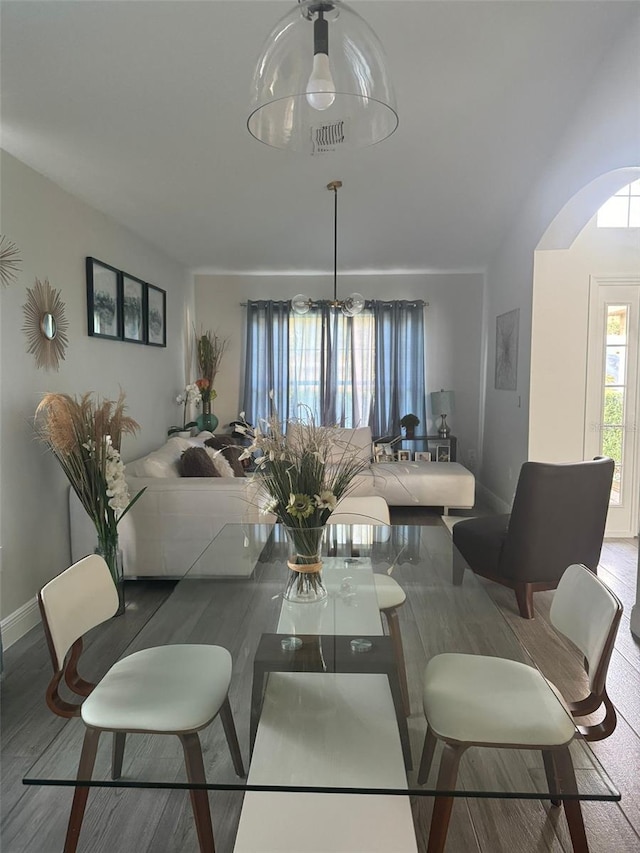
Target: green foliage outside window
612, 421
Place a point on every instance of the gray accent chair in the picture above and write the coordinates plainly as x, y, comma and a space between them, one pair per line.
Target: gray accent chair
558, 518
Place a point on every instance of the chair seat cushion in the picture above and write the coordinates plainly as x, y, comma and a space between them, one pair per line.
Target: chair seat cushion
165, 689
480, 541
493, 701
388, 592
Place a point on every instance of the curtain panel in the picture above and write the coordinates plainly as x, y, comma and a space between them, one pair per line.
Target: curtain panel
351, 371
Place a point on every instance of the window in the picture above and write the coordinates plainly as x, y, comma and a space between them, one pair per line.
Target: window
351, 371
622, 210
615, 392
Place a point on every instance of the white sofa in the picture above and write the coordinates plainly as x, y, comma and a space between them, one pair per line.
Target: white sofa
173, 522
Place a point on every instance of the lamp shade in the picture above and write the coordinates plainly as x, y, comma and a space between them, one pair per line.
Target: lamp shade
321, 83
442, 402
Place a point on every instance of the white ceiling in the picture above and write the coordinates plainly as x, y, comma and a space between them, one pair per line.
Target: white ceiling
140, 109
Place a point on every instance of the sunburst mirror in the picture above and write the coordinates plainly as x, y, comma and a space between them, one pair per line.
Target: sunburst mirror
45, 325
10, 261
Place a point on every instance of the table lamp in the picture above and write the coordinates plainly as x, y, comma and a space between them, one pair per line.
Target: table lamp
442, 404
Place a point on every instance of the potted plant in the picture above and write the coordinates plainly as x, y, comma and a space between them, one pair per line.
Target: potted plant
410, 422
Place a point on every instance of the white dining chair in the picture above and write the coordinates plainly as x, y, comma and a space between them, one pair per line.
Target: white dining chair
474, 700
375, 510
173, 689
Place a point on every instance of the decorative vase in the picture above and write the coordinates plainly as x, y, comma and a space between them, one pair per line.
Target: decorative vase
207, 420
304, 584
109, 549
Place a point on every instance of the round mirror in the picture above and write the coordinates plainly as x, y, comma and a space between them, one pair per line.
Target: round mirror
48, 326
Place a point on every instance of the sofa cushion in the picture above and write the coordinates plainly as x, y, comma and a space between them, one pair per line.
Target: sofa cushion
196, 462
230, 450
221, 465
162, 462
352, 443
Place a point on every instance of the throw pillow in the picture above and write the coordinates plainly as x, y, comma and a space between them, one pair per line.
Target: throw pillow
230, 450
195, 462
220, 463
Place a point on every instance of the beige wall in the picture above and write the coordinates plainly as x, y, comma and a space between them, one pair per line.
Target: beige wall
54, 232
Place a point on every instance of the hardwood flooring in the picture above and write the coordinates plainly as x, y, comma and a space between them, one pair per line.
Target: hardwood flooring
150, 821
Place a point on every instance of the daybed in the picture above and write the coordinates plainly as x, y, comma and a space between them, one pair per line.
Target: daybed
175, 519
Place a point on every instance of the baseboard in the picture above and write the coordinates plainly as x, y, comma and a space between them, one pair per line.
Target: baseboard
16, 624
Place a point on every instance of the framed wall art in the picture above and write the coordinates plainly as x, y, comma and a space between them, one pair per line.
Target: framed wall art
507, 330
134, 309
156, 316
104, 305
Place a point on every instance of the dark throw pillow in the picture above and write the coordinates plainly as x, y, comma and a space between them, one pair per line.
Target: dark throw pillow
230, 451
196, 462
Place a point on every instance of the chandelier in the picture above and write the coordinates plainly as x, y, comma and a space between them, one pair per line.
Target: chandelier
354, 303
321, 83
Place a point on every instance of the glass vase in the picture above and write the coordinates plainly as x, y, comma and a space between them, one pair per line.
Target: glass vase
207, 419
304, 584
108, 548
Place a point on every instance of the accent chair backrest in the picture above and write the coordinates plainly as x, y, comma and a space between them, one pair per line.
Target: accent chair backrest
75, 601
558, 518
588, 613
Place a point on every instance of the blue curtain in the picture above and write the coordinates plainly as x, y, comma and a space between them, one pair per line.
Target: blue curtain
368, 369
399, 365
267, 360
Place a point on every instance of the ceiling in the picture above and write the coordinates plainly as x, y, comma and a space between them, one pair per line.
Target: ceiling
140, 109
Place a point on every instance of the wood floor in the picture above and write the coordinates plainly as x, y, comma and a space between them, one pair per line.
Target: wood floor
148, 821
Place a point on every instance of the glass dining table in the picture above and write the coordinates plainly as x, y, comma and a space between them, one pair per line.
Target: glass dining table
315, 691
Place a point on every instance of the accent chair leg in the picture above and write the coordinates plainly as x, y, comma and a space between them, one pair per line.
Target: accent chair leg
524, 597
232, 738
552, 777
199, 798
396, 641
442, 807
80, 796
117, 754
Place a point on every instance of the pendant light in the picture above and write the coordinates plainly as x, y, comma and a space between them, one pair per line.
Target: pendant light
321, 83
354, 303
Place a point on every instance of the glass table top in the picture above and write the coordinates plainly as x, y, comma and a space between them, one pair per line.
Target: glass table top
314, 691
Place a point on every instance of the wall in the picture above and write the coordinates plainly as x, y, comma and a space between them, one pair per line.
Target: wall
603, 135
453, 330
561, 313
54, 232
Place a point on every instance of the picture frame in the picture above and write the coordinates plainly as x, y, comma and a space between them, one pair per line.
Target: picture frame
423, 456
443, 453
104, 300
404, 456
507, 333
134, 310
156, 316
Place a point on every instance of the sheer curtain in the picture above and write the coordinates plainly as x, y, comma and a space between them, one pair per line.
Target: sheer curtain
350, 371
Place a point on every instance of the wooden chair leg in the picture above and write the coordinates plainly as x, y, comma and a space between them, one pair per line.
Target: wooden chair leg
428, 750
443, 805
80, 796
398, 652
573, 811
200, 797
232, 738
524, 597
117, 754
552, 778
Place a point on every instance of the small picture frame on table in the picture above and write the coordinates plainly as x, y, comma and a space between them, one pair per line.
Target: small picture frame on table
443, 453
134, 294
104, 300
423, 456
404, 456
156, 316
